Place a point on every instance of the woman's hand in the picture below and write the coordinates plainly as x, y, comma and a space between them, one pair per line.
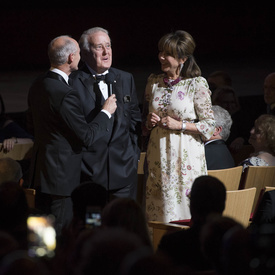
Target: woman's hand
152, 120
8, 144
170, 123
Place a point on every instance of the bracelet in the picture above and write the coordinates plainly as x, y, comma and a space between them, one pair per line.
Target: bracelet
183, 127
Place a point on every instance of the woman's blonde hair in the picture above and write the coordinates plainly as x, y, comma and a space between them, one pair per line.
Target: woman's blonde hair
266, 125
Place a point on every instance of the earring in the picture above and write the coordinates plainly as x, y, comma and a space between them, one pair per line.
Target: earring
181, 66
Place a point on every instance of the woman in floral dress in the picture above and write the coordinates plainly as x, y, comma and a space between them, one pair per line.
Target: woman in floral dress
179, 117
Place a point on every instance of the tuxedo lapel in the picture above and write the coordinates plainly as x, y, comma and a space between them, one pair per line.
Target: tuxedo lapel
89, 83
117, 90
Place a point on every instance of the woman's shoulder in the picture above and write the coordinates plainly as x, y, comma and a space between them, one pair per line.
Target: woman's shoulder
201, 80
197, 80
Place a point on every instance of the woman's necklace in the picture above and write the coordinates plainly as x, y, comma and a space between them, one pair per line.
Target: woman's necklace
165, 99
171, 82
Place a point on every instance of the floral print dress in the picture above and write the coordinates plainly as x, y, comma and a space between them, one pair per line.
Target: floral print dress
176, 158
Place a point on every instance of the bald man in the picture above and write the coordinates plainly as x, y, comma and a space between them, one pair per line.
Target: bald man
60, 131
269, 92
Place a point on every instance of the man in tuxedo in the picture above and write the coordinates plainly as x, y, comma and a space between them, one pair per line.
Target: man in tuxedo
113, 159
60, 130
216, 151
269, 93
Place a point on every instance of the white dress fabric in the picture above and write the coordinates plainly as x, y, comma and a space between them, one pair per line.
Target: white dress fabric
176, 158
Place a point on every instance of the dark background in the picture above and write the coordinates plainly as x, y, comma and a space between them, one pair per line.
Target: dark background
235, 36
223, 30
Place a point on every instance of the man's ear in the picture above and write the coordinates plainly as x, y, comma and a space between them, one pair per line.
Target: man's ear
218, 130
70, 58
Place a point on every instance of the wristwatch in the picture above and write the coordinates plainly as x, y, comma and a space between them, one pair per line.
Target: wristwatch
183, 127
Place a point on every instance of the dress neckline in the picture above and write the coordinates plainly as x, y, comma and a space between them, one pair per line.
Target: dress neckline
171, 82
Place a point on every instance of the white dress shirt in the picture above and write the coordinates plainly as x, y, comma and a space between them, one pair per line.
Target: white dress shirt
64, 75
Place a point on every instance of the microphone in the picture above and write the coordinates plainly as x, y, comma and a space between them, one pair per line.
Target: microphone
109, 80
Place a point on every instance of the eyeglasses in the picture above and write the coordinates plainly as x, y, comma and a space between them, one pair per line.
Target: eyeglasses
101, 47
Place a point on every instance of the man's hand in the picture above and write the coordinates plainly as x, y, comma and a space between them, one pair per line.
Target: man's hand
110, 104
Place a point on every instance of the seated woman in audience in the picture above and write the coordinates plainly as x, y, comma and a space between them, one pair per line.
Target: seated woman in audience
262, 138
10, 131
126, 213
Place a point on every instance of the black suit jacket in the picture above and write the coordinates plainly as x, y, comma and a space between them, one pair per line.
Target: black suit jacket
264, 217
112, 160
218, 156
60, 130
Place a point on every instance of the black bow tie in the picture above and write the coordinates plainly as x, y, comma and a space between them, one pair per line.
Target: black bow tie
100, 77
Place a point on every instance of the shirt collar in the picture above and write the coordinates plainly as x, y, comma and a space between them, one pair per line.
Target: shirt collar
209, 141
94, 72
64, 75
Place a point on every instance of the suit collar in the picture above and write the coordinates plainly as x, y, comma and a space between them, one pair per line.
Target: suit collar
57, 76
216, 142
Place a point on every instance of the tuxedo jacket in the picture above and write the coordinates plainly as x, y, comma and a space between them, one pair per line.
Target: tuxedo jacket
218, 156
60, 131
113, 159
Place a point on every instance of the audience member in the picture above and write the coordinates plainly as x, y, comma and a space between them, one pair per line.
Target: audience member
218, 79
235, 250
226, 97
262, 138
263, 219
105, 251
14, 212
207, 197
216, 151
262, 260
10, 171
238, 252
147, 264
10, 132
211, 238
19, 262
87, 194
269, 93
126, 213
7, 244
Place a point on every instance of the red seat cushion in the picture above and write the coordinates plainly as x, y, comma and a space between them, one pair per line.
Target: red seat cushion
187, 222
